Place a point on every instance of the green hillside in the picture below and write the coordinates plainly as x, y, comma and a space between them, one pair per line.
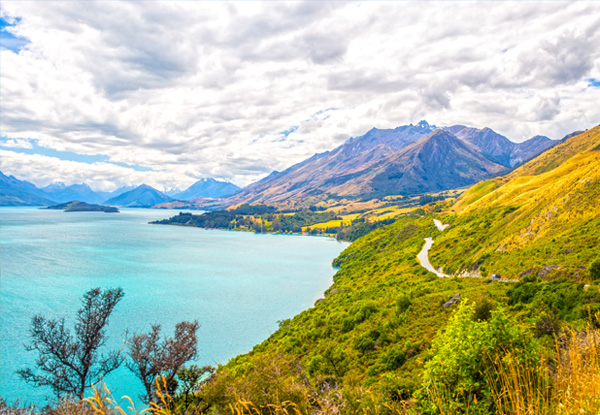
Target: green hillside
373, 342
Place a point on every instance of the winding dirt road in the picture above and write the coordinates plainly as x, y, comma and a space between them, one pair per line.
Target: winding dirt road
423, 259
423, 256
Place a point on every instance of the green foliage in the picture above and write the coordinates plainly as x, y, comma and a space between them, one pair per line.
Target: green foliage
463, 355
565, 298
403, 303
259, 218
373, 328
483, 310
594, 269
359, 228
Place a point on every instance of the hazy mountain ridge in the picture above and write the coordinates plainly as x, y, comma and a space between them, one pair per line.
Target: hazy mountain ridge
15, 192
207, 187
63, 193
141, 196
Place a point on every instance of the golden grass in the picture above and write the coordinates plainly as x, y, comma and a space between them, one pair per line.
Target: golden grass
569, 385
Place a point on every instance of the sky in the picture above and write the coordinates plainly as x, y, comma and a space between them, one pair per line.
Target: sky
115, 93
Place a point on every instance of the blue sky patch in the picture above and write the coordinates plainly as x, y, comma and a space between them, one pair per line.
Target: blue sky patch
289, 131
594, 82
67, 155
8, 40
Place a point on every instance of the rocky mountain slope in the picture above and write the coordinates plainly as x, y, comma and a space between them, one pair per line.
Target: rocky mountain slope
500, 149
384, 162
381, 333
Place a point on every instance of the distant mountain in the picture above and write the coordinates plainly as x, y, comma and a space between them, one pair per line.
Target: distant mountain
15, 192
115, 193
207, 188
500, 149
141, 196
385, 162
172, 191
82, 192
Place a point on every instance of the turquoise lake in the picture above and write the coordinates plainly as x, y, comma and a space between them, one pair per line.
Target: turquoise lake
238, 285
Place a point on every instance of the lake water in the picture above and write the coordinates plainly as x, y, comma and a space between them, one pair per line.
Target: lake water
236, 284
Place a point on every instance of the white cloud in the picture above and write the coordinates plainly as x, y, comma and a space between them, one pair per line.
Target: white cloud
198, 89
18, 143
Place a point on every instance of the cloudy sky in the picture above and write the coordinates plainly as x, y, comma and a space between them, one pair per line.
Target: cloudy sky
115, 92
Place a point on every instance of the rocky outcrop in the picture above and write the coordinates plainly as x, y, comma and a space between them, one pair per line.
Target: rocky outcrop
452, 301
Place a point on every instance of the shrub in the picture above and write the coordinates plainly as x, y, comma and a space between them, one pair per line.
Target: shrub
403, 303
455, 377
483, 310
595, 269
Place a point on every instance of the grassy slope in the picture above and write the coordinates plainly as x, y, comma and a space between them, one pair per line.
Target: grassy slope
544, 214
374, 328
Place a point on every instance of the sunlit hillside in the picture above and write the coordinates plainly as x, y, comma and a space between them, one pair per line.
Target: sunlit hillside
543, 218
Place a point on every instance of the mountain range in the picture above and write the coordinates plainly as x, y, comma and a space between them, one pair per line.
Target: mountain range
141, 196
207, 188
406, 160
62, 193
15, 192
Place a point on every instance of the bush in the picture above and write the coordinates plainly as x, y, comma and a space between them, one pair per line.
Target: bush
457, 375
483, 310
595, 269
403, 303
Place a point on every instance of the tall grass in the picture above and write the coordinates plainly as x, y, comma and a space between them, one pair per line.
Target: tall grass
566, 385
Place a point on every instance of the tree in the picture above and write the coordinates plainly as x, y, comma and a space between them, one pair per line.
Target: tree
150, 357
71, 362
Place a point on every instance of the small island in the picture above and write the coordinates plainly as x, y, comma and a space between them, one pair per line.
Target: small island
77, 206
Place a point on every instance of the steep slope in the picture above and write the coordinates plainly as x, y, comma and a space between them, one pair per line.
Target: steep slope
542, 219
15, 192
207, 188
141, 196
82, 192
438, 161
306, 182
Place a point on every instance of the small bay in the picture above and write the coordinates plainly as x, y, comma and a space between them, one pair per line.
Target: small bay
236, 284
